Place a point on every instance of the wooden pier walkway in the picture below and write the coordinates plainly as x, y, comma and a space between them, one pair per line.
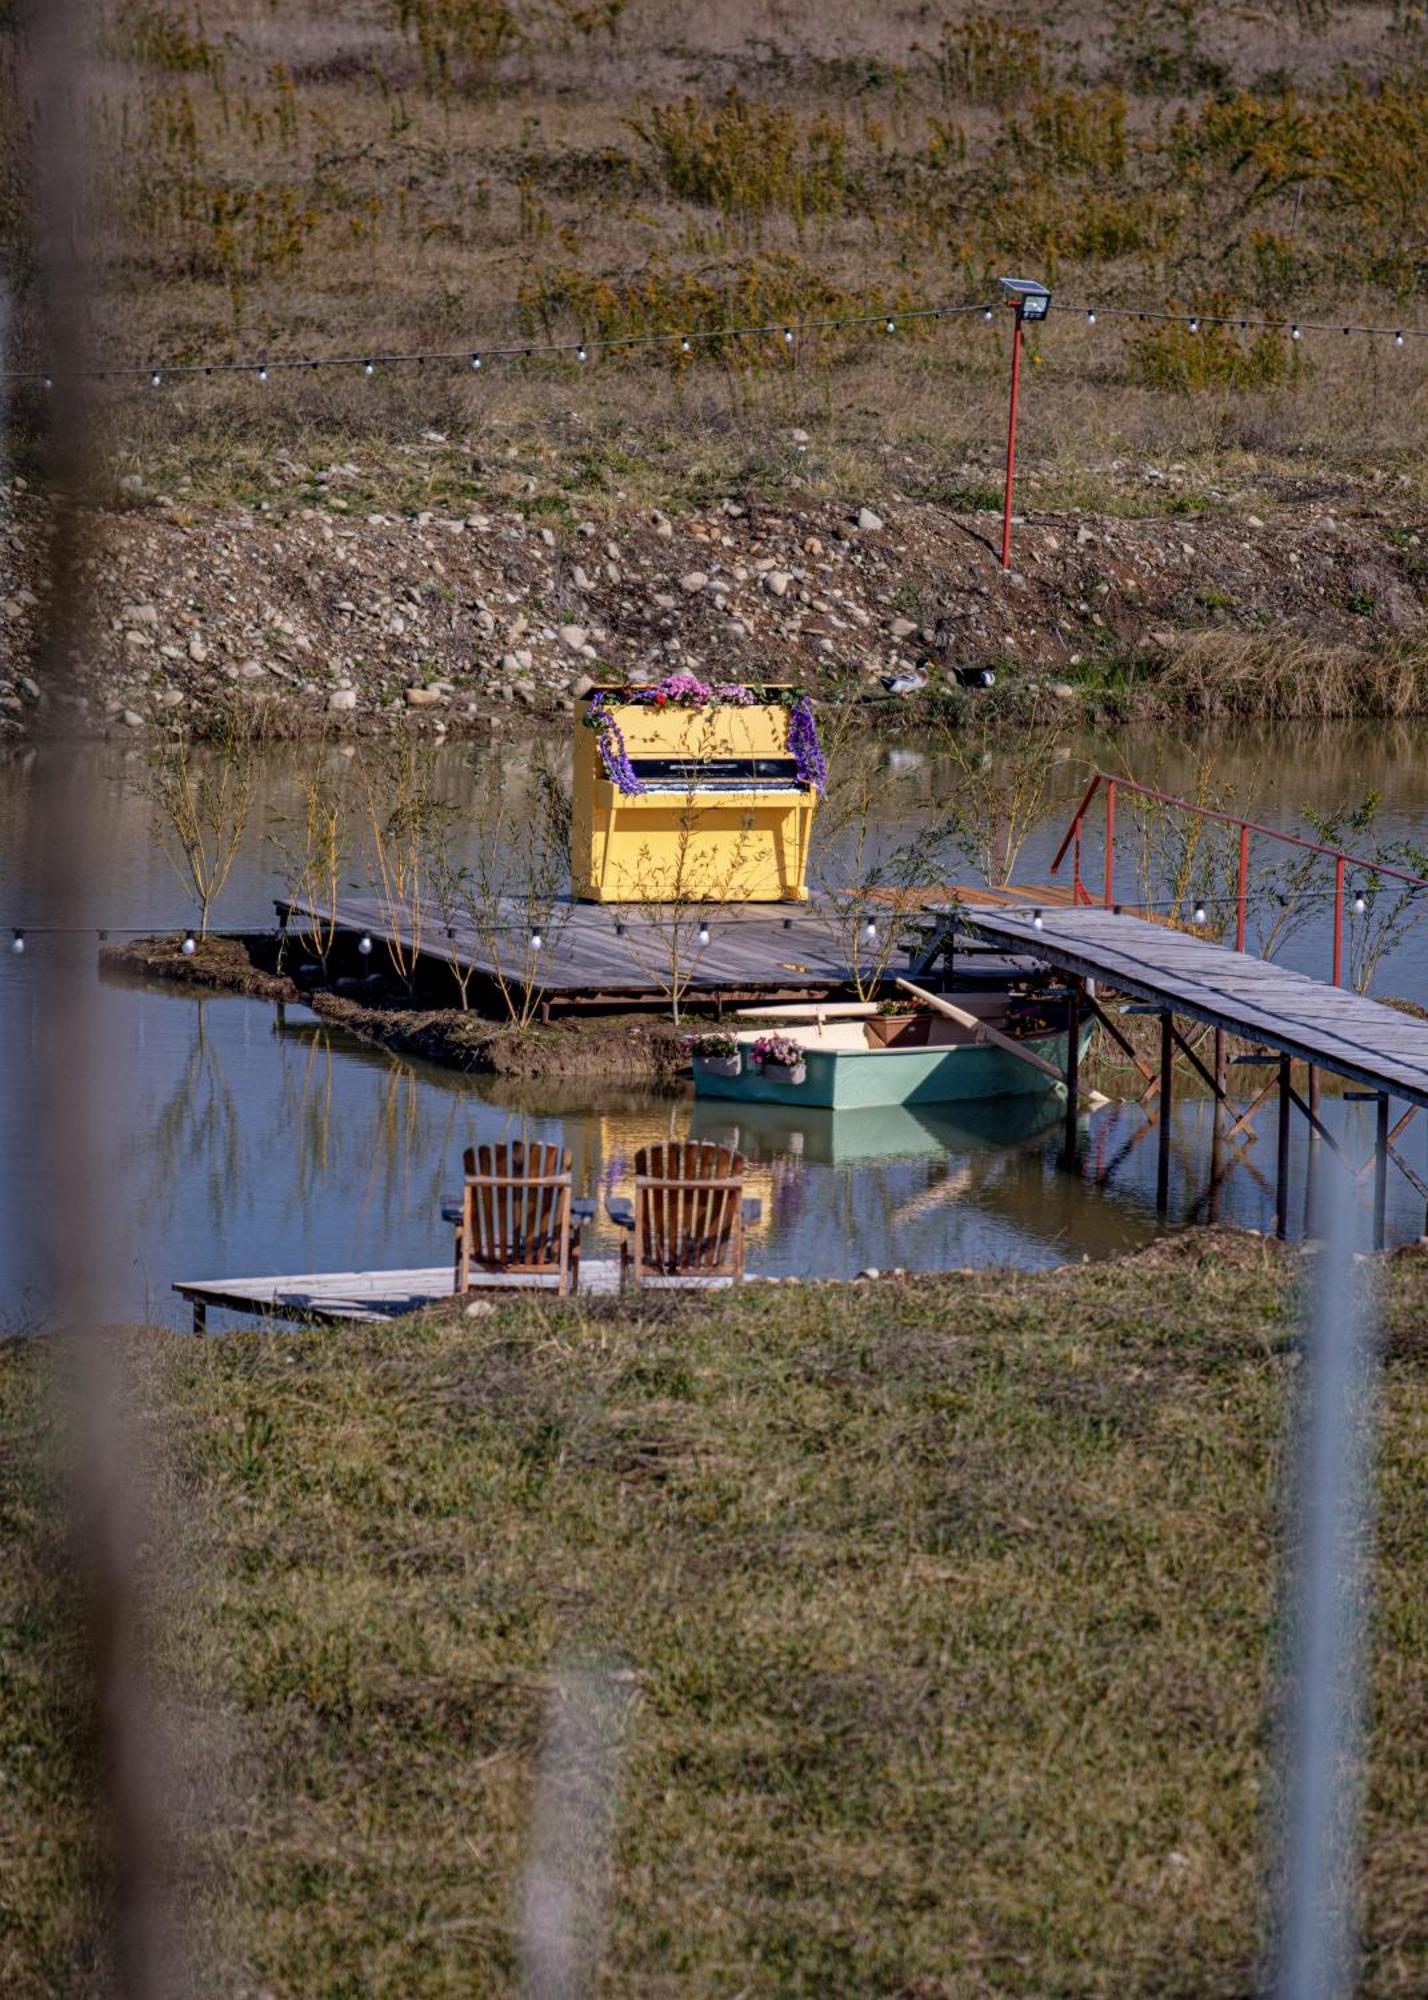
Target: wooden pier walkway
1287, 1015
1328, 1026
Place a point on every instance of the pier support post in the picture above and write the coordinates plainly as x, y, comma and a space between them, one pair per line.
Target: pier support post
1281, 1179
1167, 1083
1311, 1156
1380, 1173
1073, 1077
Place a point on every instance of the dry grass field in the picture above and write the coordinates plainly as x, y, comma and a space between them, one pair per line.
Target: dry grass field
912, 1640
380, 175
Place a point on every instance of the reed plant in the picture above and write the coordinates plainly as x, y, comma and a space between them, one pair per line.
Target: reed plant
403, 814
199, 798
504, 871
315, 847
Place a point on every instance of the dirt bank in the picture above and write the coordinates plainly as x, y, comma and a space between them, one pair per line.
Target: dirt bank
616, 1048
321, 624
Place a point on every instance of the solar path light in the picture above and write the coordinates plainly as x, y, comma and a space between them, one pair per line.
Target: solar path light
1030, 301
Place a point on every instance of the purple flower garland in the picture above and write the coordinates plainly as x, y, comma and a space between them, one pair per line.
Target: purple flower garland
804, 746
683, 690
611, 741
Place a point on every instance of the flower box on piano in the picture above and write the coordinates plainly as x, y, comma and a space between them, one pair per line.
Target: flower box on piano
711, 806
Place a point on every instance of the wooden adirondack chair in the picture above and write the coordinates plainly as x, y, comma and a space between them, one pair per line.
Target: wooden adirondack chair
516, 1225
687, 1229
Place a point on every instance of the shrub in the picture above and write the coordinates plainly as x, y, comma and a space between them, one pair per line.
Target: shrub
747, 159
983, 60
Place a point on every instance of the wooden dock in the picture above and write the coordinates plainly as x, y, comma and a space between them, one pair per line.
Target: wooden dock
597, 954
1328, 1026
1177, 975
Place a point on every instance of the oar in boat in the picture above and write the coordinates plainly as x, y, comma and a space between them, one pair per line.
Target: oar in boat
985, 1032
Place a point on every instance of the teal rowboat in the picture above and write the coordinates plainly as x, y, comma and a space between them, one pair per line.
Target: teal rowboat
844, 1074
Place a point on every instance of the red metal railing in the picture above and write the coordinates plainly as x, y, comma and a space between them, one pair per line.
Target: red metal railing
1340, 856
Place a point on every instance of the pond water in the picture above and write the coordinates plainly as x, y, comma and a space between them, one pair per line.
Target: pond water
242, 1138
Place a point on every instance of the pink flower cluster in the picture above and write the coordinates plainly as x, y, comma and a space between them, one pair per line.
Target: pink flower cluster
780, 1049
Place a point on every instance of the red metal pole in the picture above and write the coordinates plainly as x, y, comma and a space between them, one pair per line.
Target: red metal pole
1077, 892
1339, 921
1011, 442
1244, 888
1110, 842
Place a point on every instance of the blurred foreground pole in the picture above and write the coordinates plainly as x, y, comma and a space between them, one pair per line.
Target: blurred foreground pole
73, 1075
1332, 1508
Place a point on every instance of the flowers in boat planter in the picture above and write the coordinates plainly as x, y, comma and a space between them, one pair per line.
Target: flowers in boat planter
710, 1045
780, 1050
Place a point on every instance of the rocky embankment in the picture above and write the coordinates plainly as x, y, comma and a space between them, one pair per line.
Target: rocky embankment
319, 623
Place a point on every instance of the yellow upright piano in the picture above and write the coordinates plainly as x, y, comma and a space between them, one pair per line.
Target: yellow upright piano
710, 803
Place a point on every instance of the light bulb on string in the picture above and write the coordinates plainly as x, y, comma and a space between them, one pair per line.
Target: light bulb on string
686, 346
870, 931
155, 379
1194, 326
987, 314
369, 367
189, 945
1359, 904
1199, 914
788, 336
1294, 333
48, 381
263, 372
704, 933
1090, 319
364, 945
1398, 338
17, 943
889, 326
476, 362
1036, 920
535, 940
581, 354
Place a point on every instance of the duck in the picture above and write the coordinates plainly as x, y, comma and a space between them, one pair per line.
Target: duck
910, 680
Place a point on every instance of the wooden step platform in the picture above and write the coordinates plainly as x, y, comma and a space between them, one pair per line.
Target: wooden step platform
357, 1295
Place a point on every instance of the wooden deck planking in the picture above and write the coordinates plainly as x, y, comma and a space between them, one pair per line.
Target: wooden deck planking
751, 946
1287, 1011
370, 1296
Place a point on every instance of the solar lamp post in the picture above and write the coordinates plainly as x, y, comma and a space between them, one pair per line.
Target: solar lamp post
1029, 301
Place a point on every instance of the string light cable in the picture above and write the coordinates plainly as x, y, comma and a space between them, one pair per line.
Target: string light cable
262, 368
1357, 899
685, 339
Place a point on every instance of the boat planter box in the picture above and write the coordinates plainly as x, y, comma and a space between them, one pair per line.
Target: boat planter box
794, 1075
688, 842
718, 1065
901, 1031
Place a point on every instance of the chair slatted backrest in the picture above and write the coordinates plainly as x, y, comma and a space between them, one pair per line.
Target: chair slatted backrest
689, 1219
516, 1209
